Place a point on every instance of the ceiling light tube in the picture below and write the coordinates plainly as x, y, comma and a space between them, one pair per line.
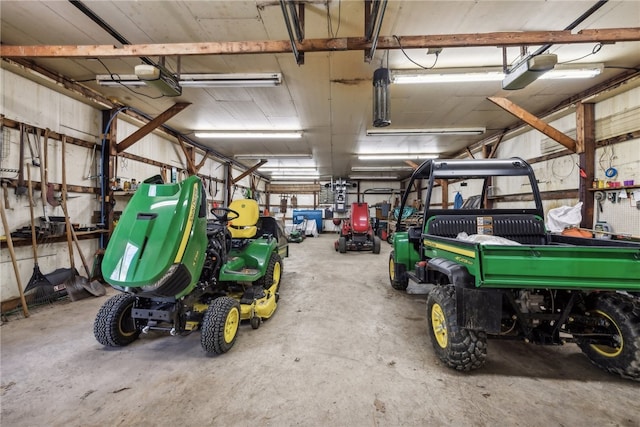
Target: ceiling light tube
434, 131
387, 177
295, 178
380, 168
250, 134
462, 75
231, 80
288, 169
272, 156
396, 156
446, 76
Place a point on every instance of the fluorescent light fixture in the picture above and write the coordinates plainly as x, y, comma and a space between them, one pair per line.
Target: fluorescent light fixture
529, 70
586, 71
272, 156
298, 173
158, 77
288, 169
259, 134
380, 168
434, 131
415, 156
385, 177
446, 76
119, 80
231, 80
462, 75
296, 178
199, 80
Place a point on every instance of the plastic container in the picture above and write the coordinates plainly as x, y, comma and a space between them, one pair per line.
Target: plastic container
628, 182
603, 226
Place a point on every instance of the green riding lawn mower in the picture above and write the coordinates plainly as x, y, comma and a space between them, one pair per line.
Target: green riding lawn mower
178, 272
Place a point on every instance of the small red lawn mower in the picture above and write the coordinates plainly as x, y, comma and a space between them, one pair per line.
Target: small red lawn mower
356, 233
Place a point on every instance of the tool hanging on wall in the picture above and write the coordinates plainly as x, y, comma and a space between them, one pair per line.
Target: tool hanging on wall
21, 188
599, 196
35, 154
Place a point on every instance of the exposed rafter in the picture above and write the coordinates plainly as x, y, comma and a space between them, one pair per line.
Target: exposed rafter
496, 39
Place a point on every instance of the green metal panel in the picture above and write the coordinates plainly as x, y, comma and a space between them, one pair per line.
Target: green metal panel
404, 251
559, 267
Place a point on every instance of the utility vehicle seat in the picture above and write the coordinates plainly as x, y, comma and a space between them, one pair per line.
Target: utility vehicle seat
245, 226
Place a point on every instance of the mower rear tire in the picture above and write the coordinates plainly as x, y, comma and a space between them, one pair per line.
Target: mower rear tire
376, 245
342, 244
397, 274
619, 316
114, 326
220, 325
459, 348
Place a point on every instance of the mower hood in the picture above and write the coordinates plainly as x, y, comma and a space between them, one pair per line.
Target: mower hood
160, 240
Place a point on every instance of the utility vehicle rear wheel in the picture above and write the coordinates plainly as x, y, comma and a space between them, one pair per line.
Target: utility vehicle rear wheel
618, 316
114, 326
220, 325
397, 274
458, 348
342, 244
376, 245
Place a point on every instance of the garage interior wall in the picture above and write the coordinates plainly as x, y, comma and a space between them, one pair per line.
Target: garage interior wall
36, 105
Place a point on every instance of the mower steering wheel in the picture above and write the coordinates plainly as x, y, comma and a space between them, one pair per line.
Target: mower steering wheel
224, 217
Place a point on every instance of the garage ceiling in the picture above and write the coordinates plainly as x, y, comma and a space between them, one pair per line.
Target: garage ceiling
329, 96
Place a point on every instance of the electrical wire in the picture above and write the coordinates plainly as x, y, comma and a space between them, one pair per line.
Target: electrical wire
330, 24
412, 61
595, 50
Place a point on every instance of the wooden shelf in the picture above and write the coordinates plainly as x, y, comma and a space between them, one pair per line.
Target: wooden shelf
624, 187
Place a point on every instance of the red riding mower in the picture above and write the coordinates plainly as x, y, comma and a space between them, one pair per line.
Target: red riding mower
356, 233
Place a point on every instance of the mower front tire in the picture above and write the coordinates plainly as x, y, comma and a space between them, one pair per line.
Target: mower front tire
376, 245
220, 325
342, 244
114, 326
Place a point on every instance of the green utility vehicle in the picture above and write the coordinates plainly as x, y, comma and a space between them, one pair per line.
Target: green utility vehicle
178, 272
496, 271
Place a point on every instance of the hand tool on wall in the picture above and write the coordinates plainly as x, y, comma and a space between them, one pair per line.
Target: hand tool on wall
43, 177
14, 261
21, 189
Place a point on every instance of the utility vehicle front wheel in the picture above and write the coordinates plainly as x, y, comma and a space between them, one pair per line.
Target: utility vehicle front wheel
618, 318
397, 274
220, 325
114, 326
458, 348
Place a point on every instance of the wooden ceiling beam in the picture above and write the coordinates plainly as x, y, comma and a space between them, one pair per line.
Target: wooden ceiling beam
494, 39
149, 127
535, 122
248, 171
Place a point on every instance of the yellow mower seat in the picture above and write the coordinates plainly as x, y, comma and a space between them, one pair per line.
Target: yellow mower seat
244, 227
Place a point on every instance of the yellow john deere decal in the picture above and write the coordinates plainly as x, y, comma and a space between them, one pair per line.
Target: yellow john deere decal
466, 252
187, 228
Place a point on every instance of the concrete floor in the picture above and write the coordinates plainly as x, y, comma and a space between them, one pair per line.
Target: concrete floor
343, 349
